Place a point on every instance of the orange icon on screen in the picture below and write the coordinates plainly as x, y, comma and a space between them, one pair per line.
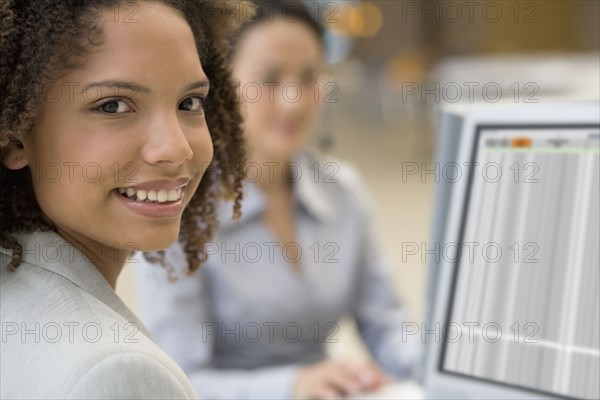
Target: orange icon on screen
521, 142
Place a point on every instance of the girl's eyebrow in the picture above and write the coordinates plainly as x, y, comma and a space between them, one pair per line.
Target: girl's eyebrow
136, 88
197, 85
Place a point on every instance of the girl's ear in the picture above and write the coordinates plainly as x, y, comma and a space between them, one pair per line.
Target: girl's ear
14, 156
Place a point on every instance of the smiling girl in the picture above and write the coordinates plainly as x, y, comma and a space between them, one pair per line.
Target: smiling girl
111, 112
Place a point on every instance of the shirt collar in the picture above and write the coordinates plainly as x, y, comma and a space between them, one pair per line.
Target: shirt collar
52, 252
309, 191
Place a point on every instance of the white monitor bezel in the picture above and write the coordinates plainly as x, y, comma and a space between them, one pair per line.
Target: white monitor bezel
440, 384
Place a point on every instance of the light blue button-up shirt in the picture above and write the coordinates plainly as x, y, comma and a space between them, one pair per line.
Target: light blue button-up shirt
245, 324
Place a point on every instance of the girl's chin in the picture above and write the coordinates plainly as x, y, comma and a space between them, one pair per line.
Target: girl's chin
156, 242
285, 150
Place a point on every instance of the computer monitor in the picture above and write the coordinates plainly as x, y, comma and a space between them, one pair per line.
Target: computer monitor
514, 290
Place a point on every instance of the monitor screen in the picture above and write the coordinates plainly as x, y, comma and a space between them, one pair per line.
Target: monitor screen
524, 308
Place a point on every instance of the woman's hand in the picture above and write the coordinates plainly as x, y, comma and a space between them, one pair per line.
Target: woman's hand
333, 379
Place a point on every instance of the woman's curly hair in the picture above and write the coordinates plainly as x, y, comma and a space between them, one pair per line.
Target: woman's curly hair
39, 39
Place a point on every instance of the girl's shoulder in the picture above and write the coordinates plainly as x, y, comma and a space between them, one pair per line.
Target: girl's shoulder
60, 341
337, 179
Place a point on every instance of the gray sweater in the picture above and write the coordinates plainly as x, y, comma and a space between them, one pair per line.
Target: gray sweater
67, 335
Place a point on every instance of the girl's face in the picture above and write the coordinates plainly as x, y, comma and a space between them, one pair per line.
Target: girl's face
130, 120
277, 64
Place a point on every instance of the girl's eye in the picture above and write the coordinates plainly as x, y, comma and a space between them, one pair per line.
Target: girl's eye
308, 78
193, 104
270, 78
115, 106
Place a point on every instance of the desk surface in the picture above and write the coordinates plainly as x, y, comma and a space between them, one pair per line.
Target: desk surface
394, 391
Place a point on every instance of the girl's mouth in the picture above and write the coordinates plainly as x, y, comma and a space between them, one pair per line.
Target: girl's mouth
160, 203
151, 196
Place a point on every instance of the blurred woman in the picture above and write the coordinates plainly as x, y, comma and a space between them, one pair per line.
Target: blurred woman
255, 320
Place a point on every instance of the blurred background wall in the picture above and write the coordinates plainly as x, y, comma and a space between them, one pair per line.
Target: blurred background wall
394, 64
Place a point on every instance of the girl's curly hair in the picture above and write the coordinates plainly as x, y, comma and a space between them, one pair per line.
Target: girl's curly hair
39, 39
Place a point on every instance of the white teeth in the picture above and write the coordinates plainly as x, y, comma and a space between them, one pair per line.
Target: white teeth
174, 194
160, 196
